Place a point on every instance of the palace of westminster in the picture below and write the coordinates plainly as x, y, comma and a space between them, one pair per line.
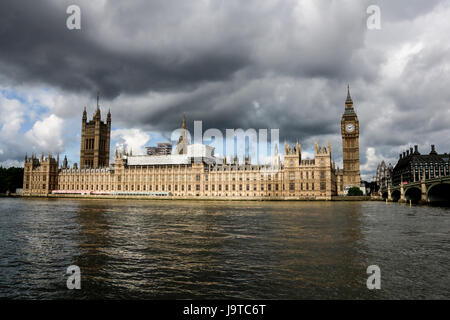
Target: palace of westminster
192, 170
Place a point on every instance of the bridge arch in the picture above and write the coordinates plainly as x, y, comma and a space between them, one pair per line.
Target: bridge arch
395, 195
413, 194
439, 192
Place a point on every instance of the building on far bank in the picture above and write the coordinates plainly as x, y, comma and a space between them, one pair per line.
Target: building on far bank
192, 170
412, 166
383, 176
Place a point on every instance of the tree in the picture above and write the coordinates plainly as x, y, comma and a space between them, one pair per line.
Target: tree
354, 191
10, 179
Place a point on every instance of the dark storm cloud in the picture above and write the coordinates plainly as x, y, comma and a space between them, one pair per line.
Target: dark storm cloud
243, 64
36, 46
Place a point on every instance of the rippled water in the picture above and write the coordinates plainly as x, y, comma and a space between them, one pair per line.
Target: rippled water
187, 249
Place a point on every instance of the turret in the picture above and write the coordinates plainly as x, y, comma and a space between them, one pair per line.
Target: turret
298, 149
65, 164
84, 119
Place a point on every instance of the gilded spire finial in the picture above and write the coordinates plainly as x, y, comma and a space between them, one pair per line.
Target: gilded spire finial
183, 125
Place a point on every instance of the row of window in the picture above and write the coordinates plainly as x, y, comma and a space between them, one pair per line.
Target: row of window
143, 178
39, 177
219, 187
35, 186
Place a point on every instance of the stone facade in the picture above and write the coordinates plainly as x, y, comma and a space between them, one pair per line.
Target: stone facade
191, 172
40, 175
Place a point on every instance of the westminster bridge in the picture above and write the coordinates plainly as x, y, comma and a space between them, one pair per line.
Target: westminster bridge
422, 191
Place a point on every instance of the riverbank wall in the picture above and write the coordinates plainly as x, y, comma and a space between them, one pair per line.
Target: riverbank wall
134, 197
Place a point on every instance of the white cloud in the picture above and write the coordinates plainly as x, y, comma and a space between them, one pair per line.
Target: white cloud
398, 59
11, 163
11, 117
46, 134
373, 159
134, 139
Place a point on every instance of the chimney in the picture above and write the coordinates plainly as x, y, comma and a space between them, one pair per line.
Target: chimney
400, 156
433, 151
407, 152
404, 154
411, 150
416, 149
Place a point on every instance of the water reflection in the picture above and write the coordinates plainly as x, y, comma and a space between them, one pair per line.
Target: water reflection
188, 249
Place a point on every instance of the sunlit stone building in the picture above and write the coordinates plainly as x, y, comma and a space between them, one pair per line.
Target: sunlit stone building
190, 171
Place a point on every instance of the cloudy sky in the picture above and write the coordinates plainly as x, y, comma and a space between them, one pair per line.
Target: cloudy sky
232, 64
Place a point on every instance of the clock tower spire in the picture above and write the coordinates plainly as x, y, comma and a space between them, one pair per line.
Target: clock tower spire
350, 144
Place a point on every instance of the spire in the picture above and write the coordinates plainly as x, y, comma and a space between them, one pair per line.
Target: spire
84, 114
97, 115
183, 125
349, 100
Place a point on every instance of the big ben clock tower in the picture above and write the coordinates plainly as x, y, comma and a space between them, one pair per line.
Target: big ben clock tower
350, 144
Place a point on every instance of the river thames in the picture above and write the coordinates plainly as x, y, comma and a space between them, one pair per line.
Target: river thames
222, 250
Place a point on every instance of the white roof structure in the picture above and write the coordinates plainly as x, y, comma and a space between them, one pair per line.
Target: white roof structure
195, 153
143, 160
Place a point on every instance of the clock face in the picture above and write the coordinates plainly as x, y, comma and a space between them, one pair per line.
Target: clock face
349, 127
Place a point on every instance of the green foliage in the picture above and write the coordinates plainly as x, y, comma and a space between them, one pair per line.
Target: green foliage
10, 179
354, 191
